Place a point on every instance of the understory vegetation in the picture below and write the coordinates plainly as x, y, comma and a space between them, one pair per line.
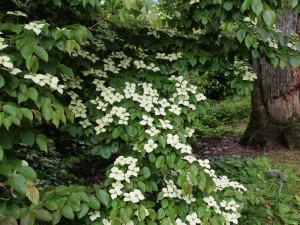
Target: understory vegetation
102, 101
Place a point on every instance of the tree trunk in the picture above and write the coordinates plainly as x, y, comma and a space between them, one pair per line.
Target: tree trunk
275, 113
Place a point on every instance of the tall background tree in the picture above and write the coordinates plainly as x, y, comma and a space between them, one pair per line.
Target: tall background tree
276, 98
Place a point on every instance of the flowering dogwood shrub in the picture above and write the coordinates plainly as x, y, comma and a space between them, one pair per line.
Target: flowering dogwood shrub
129, 98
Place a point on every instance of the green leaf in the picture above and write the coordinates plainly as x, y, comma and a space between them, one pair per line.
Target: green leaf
246, 5
27, 137
41, 52
269, 17
193, 61
70, 45
84, 210
125, 217
1, 153
41, 141
67, 212
18, 183
162, 141
257, 6
11, 110
117, 132
32, 93
295, 61
94, 203
51, 205
43, 215
27, 172
27, 51
103, 196
67, 71
241, 34
228, 5
146, 172
142, 213
160, 161
32, 63
116, 221
1, 81
27, 113
8, 221
28, 219
47, 111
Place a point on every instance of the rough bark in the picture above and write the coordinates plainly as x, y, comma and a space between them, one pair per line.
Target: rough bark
275, 113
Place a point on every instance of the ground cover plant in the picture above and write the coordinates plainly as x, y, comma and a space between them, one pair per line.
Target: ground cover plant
87, 69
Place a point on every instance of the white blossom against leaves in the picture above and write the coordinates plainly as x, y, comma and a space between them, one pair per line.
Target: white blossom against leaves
6, 61
150, 146
134, 196
193, 219
36, 27
94, 215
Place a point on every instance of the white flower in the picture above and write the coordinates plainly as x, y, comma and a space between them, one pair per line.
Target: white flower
175, 109
16, 13
116, 190
5, 61
35, 27
152, 131
117, 174
94, 215
200, 97
135, 196
85, 123
189, 199
204, 163
249, 76
165, 124
193, 219
190, 158
179, 222
106, 222
150, 146
15, 71
147, 120
210, 201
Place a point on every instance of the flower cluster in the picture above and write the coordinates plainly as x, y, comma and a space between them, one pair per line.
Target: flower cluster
171, 57
48, 79
249, 76
224, 182
119, 175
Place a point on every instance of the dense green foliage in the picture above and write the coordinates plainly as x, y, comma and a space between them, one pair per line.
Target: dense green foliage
75, 68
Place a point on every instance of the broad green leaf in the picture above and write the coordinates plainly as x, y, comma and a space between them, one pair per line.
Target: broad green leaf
84, 210
41, 52
28, 219
27, 137
1, 81
103, 196
160, 161
228, 5
67, 212
32, 93
8, 221
42, 214
1, 153
94, 203
246, 4
41, 141
27, 113
27, 172
146, 172
269, 17
18, 183
257, 6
